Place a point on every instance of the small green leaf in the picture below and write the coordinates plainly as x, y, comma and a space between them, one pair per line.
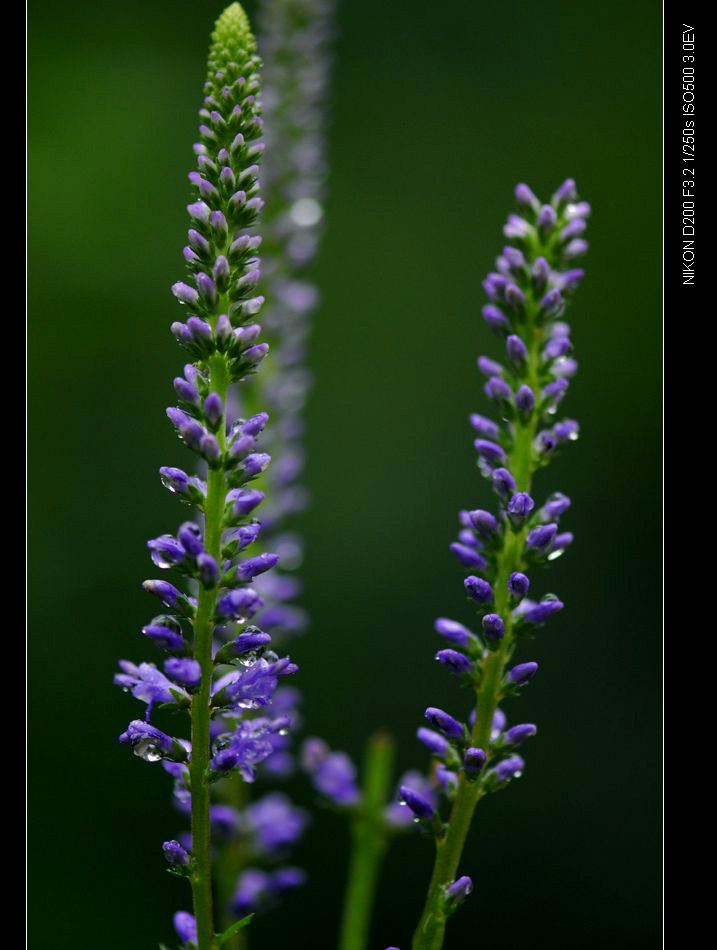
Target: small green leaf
235, 928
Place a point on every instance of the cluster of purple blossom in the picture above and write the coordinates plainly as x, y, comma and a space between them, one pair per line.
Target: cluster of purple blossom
528, 292
216, 630
293, 39
219, 666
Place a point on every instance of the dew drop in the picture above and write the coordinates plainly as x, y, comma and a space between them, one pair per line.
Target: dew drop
147, 750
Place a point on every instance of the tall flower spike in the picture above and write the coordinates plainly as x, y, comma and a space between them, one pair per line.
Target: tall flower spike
218, 690
294, 41
528, 293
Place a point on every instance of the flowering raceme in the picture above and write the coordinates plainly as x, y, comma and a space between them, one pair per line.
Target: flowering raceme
233, 595
218, 667
293, 39
528, 292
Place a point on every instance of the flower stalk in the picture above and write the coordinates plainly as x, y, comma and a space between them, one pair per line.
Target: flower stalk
528, 292
369, 838
218, 667
201, 701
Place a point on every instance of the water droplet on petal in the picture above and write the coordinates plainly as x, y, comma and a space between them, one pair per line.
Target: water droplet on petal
147, 750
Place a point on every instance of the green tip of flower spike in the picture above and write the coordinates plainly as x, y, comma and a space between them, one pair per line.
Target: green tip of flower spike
232, 38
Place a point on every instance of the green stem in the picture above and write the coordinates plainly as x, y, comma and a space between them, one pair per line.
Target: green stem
430, 933
201, 711
369, 839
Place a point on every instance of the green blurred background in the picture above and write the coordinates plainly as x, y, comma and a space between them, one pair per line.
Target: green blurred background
438, 111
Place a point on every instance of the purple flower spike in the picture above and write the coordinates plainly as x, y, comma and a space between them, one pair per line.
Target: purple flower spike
478, 589
474, 760
518, 734
420, 806
455, 661
225, 350
527, 291
446, 724
518, 584
493, 627
522, 672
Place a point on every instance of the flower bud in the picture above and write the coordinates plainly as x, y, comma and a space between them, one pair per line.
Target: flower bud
419, 805
474, 760
493, 627
446, 724
522, 673
455, 661
478, 589
518, 734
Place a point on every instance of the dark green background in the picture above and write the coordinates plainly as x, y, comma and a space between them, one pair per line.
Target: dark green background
438, 110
